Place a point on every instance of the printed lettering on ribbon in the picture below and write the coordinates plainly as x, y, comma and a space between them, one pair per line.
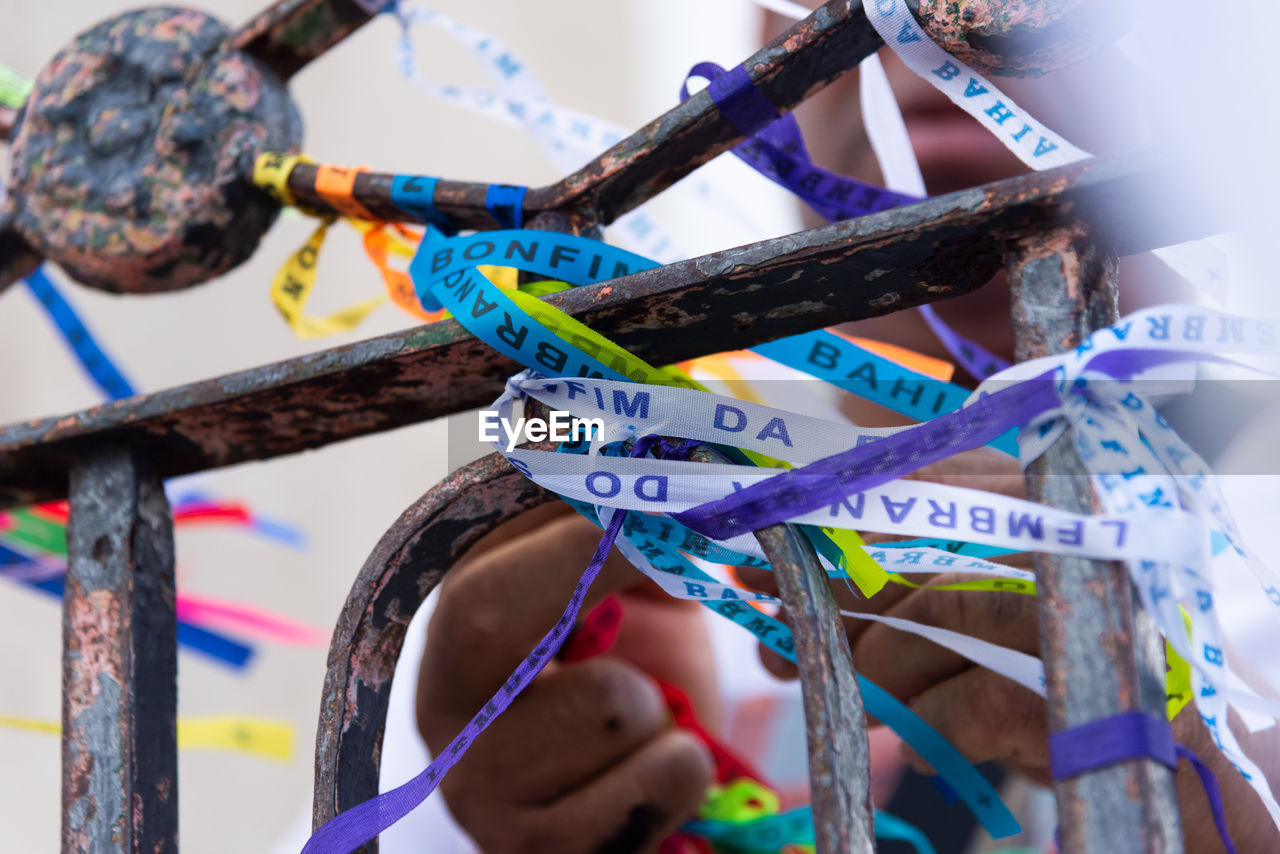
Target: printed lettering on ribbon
558, 256
1033, 142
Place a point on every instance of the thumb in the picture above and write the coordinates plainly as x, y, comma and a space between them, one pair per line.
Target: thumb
638, 802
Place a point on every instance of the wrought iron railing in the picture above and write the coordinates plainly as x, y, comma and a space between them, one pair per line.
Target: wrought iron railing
1057, 234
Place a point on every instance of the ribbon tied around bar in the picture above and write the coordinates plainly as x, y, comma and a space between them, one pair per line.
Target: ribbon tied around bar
1130, 735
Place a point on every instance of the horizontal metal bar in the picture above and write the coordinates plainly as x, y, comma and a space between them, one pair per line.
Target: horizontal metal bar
849, 270
805, 58
291, 33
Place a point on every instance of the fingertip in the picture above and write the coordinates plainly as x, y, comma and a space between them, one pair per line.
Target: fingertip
757, 578
777, 666
914, 760
632, 805
684, 769
682, 740
623, 692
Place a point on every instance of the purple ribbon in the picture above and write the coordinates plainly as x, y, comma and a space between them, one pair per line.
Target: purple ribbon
1210, 784
349, 830
1106, 741
738, 99
827, 481
978, 361
1131, 735
775, 148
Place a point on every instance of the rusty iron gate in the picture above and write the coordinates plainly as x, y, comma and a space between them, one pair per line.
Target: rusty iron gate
1057, 234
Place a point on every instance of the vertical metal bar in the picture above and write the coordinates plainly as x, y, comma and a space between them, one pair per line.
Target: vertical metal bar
835, 723
404, 567
1102, 653
119, 664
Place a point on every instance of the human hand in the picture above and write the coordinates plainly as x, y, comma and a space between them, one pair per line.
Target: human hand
985, 715
988, 717
586, 759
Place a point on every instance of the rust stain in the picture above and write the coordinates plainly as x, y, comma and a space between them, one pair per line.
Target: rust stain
94, 618
1021, 38
129, 166
373, 663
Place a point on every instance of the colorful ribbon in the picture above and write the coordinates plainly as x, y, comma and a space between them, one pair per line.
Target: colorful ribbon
100, 368
829, 481
259, 737
1130, 735
350, 829
775, 148
538, 335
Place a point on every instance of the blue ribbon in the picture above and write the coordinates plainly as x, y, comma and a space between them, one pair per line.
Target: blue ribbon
415, 194
95, 362
193, 638
505, 203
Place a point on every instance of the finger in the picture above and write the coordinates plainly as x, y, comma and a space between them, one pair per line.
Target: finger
669, 639
757, 578
906, 665
632, 806
563, 731
846, 595
987, 717
979, 468
779, 667
495, 610
512, 529
881, 603
784, 668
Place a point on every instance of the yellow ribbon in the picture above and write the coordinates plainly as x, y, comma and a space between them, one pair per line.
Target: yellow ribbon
292, 287
993, 585
1177, 681
253, 736
271, 173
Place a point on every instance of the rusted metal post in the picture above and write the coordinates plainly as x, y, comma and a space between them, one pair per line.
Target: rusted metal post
120, 663
835, 723
1102, 653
